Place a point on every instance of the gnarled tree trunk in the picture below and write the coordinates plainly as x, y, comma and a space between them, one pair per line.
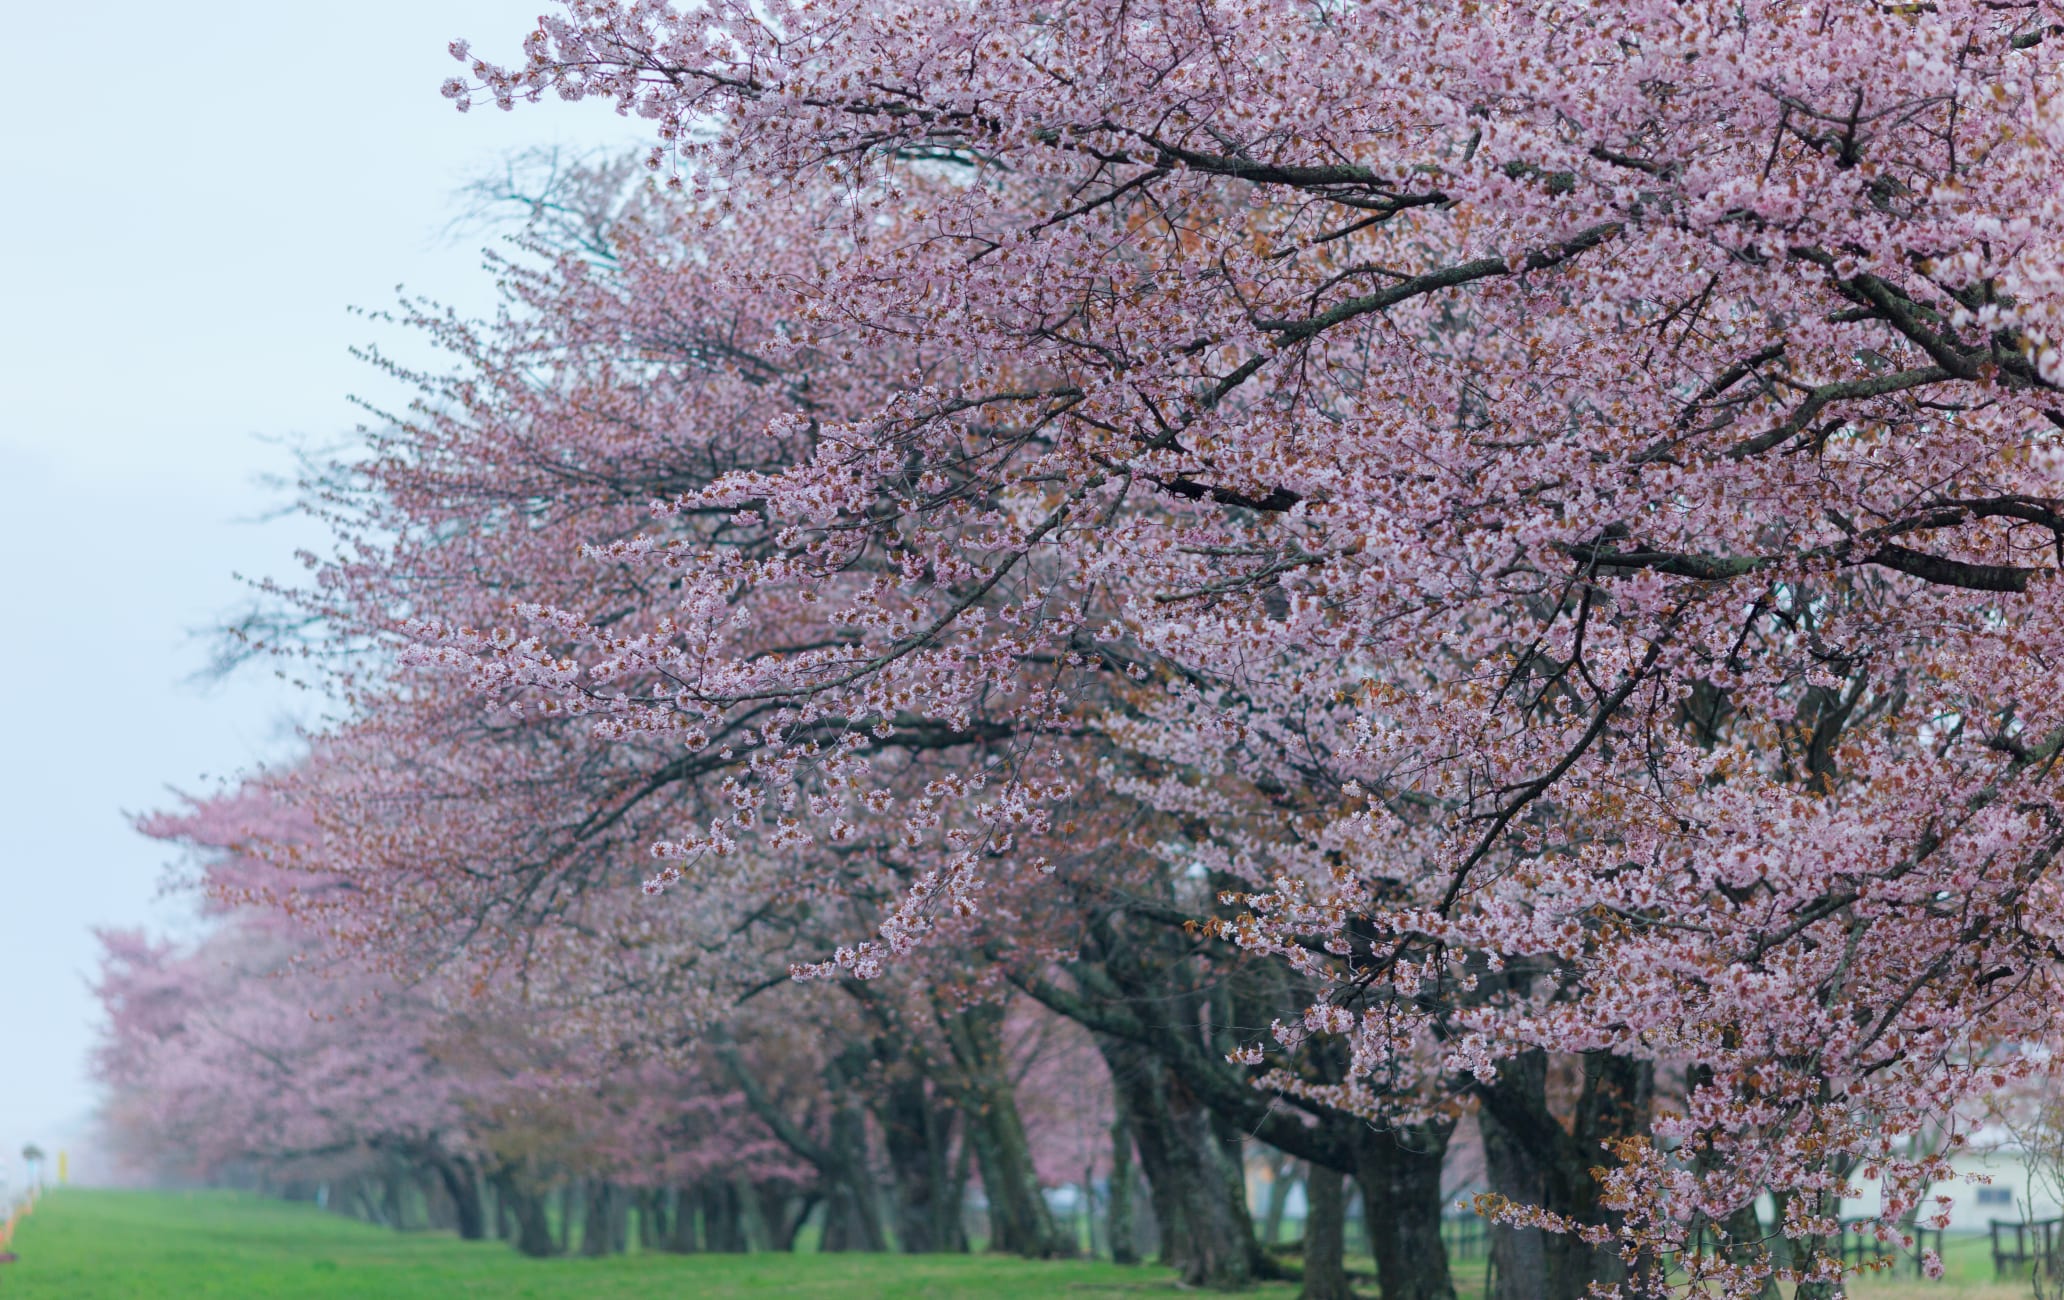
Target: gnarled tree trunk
1533, 1158
1124, 1229
1399, 1171
917, 1130
1325, 1237
594, 1234
1019, 1221
525, 1205
1192, 1171
462, 1183
783, 1210
723, 1220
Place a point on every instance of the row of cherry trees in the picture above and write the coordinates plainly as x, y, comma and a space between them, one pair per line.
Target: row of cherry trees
265, 1054
1387, 562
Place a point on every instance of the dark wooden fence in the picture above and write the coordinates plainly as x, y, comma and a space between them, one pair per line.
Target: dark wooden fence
1860, 1246
2019, 1246
1465, 1235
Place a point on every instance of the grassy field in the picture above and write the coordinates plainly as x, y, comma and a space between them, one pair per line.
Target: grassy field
1967, 1275
91, 1245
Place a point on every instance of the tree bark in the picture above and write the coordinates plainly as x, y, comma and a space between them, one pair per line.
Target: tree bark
681, 1237
753, 1227
526, 1206
1019, 1221
1399, 1172
852, 1212
1123, 1230
651, 1218
1325, 1237
368, 1208
957, 1193
1192, 1173
1531, 1158
783, 1210
723, 1225
597, 1230
917, 1130
462, 1183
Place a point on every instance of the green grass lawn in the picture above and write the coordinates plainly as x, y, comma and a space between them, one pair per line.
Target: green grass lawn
89, 1245
93, 1245
1967, 1275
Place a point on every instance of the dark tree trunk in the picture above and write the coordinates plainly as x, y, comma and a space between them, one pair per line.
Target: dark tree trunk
723, 1225
1515, 1165
651, 1218
1744, 1234
525, 1206
1124, 1231
917, 1130
1192, 1172
1019, 1221
850, 1223
783, 1210
1740, 1237
852, 1210
852, 1217
1531, 1158
462, 1184
437, 1211
1617, 1101
600, 1223
534, 1227
903, 1113
1399, 1172
374, 1193
752, 1217
595, 1220
1325, 1237
681, 1238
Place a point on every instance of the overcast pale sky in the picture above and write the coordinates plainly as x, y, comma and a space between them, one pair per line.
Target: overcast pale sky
191, 198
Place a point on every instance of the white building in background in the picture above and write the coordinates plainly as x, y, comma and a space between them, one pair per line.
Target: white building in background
1994, 1181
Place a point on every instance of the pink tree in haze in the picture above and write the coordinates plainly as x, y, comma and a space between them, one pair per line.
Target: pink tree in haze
516, 833
271, 1049
229, 1056
1518, 550
1579, 489
260, 1045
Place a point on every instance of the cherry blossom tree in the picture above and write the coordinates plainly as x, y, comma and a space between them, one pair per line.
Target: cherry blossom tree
271, 1048
266, 1048
1515, 546
1573, 492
